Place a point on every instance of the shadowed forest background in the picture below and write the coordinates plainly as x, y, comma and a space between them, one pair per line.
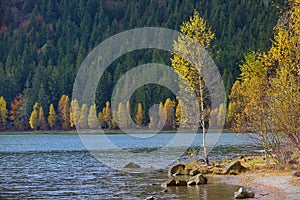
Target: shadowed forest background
43, 43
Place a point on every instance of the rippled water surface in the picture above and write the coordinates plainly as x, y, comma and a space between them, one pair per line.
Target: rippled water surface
58, 166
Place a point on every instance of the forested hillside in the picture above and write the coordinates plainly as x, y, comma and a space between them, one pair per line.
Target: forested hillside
43, 43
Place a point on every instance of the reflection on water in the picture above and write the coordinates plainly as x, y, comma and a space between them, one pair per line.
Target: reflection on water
57, 166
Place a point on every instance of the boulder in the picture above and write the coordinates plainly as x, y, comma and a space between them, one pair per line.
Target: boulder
132, 165
197, 180
243, 193
170, 182
177, 170
235, 166
194, 172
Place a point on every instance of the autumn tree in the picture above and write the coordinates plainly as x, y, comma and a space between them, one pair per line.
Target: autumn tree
3, 113
128, 118
74, 113
169, 107
83, 119
14, 113
42, 124
92, 117
248, 109
122, 116
198, 30
52, 117
64, 112
107, 115
283, 63
101, 119
34, 117
178, 115
139, 115
161, 116
266, 98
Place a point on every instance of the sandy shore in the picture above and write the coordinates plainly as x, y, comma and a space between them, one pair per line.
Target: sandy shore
265, 186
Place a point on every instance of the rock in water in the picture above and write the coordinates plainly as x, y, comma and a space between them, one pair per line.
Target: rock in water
177, 170
150, 198
243, 193
194, 172
132, 165
235, 166
197, 180
170, 182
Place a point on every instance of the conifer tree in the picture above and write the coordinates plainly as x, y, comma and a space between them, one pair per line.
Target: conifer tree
64, 112
34, 117
101, 119
121, 116
3, 112
92, 117
107, 115
52, 118
170, 113
139, 115
42, 121
83, 119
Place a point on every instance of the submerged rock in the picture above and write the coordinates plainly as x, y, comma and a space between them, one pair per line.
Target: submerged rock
197, 180
132, 165
235, 167
243, 193
150, 198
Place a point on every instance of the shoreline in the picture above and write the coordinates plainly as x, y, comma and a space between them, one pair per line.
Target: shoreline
224, 131
266, 186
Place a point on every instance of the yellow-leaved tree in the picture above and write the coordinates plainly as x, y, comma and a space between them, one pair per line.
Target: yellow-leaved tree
52, 117
139, 115
198, 30
92, 117
3, 113
34, 117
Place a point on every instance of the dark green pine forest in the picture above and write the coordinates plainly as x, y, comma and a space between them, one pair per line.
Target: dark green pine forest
43, 43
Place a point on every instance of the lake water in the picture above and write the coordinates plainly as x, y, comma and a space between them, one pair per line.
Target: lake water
58, 166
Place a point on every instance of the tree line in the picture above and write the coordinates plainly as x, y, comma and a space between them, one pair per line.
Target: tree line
70, 115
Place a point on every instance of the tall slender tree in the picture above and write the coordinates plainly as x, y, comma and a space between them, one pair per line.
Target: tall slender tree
139, 115
34, 117
92, 117
64, 112
52, 117
3, 113
198, 30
